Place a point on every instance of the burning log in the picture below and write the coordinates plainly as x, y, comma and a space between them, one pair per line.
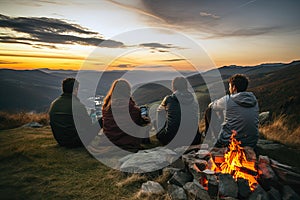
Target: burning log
236, 163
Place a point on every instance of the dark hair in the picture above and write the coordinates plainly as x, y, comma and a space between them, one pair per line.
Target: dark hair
240, 81
119, 89
69, 84
179, 83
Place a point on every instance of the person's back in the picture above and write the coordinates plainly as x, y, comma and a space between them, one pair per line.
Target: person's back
182, 116
62, 123
241, 113
62, 116
117, 125
242, 116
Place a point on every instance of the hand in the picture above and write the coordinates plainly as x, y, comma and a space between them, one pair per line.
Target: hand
146, 119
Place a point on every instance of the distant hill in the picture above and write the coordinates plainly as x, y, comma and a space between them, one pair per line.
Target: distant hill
275, 85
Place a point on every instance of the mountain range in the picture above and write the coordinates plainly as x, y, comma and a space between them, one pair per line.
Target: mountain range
275, 85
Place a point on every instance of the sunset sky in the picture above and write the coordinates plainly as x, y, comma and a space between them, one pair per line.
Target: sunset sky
147, 34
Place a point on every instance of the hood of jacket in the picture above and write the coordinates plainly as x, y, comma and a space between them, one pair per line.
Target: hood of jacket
184, 97
245, 99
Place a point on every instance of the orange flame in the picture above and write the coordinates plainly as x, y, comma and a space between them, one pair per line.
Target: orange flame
236, 160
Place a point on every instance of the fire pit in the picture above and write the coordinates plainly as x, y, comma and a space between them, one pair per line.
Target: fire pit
234, 172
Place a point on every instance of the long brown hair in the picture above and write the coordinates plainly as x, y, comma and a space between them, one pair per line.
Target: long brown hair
120, 88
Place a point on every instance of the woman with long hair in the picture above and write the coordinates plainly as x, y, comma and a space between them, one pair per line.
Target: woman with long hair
122, 117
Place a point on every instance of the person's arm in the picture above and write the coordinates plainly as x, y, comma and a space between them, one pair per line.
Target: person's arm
161, 114
135, 113
219, 104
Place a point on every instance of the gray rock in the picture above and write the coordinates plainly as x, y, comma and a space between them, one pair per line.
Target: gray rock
227, 186
274, 194
181, 178
151, 187
176, 192
264, 117
289, 194
147, 160
195, 192
244, 189
259, 194
33, 125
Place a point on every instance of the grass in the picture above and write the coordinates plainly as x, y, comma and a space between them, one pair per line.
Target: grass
13, 120
279, 131
33, 166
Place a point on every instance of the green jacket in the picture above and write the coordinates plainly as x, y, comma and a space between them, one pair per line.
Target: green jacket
62, 123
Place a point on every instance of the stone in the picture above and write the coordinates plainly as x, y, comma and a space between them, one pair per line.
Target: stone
259, 194
201, 164
195, 192
264, 117
151, 187
33, 125
243, 188
227, 186
146, 161
274, 194
203, 154
289, 194
170, 170
180, 178
213, 187
250, 154
176, 192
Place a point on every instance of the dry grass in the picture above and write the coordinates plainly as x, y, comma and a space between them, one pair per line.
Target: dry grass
33, 166
279, 131
13, 120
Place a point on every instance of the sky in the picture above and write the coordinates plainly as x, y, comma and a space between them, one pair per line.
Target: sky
147, 34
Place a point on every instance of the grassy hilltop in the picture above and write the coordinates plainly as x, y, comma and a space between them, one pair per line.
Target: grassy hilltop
33, 166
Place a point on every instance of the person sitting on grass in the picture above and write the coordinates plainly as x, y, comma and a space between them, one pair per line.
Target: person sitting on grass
240, 110
122, 119
63, 112
178, 116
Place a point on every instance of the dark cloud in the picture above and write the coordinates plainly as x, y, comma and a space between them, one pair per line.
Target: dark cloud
5, 62
243, 32
216, 19
158, 47
173, 60
49, 30
124, 66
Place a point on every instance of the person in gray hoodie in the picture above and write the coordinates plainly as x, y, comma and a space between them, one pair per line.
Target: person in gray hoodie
240, 110
178, 116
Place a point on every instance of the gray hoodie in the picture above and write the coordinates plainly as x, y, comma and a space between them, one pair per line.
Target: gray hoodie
240, 114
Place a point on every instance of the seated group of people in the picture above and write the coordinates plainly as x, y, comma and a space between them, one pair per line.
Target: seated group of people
177, 116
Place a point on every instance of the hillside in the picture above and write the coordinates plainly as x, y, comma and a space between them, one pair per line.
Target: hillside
33, 166
279, 92
33, 90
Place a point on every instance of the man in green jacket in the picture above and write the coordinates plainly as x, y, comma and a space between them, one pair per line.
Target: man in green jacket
65, 111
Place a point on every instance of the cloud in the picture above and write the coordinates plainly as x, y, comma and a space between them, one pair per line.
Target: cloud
42, 56
5, 62
205, 14
38, 30
154, 46
243, 32
173, 60
123, 66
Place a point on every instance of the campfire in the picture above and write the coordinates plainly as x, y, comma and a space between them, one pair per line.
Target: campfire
235, 161
237, 165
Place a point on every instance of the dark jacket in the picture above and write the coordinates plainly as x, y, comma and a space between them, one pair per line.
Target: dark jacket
181, 119
241, 115
117, 123
62, 123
